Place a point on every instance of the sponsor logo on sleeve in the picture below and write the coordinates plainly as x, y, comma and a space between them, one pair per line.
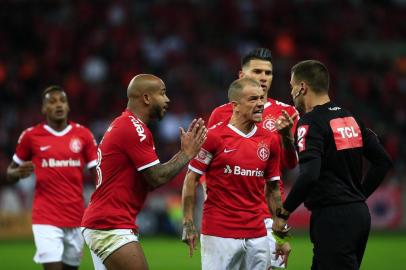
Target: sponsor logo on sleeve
346, 133
301, 137
139, 128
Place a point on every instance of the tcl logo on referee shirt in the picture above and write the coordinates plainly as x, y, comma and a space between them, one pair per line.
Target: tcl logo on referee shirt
346, 132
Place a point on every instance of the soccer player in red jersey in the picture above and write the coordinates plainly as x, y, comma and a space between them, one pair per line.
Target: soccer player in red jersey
128, 168
239, 158
56, 150
257, 64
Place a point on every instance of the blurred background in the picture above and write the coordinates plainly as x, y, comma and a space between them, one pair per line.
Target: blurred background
94, 48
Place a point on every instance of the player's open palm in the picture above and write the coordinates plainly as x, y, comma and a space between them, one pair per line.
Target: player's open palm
193, 139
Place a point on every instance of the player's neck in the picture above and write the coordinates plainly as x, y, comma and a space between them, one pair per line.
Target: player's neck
58, 125
245, 126
144, 117
316, 100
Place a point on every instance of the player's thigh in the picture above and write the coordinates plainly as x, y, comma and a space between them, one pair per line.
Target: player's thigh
73, 246
257, 253
127, 257
218, 253
48, 242
108, 245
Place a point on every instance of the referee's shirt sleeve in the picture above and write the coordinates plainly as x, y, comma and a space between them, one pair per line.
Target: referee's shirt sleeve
310, 144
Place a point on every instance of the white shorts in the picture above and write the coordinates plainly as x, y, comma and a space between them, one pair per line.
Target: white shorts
104, 242
55, 244
272, 243
233, 254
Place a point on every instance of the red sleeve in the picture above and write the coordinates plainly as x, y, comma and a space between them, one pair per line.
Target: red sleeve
90, 151
214, 118
137, 142
23, 149
200, 163
273, 166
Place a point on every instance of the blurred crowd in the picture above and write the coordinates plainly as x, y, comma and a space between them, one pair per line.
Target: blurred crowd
94, 48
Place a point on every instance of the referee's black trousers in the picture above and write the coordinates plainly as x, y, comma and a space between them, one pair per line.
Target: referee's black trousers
339, 235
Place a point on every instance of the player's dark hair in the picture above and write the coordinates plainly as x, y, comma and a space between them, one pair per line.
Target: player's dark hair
234, 91
51, 88
258, 53
314, 73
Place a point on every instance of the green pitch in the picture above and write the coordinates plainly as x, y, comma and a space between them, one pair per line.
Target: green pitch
384, 251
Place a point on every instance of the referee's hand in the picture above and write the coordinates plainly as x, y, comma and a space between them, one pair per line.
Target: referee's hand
189, 236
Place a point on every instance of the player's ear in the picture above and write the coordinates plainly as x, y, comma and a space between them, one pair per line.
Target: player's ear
241, 74
234, 104
147, 98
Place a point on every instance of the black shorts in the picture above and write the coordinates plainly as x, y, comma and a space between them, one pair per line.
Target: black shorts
339, 235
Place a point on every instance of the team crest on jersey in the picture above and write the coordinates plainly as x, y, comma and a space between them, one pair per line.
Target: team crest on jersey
75, 145
269, 124
263, 151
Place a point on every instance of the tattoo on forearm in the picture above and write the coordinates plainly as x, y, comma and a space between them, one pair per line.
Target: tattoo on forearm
165, 172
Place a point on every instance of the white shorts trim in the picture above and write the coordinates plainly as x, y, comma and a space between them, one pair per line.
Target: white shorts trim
104, 242
55, 244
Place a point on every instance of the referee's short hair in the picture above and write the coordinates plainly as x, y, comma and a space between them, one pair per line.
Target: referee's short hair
314, 73
258, 53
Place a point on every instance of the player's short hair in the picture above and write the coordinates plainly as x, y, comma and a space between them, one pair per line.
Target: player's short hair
314, 73
51, 88
258, 53
236, 87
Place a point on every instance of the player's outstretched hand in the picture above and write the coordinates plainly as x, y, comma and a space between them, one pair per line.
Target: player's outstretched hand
193, 139
283, 250
189, 236
285, 122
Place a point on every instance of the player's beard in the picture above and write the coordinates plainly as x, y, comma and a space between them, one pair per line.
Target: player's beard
157, 112
299, 104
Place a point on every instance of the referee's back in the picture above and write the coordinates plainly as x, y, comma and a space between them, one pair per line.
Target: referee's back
341, 140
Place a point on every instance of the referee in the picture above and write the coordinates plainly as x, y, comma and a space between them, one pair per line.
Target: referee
331, 144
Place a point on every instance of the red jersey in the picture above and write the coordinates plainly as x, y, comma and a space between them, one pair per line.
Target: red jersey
126, 149
236, 167
272, 110
59, 158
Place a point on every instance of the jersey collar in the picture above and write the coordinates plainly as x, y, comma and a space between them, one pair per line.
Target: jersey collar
242, 134
58, 133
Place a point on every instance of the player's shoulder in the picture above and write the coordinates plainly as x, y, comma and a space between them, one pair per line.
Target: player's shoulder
264, 132
80, 128
217, 128
227, 107
279, 105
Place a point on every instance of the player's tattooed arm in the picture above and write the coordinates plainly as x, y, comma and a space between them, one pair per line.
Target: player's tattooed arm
273, 196
189, 234
191, 142
15, 171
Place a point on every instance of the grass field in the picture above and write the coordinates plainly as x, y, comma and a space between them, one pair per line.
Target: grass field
384, 251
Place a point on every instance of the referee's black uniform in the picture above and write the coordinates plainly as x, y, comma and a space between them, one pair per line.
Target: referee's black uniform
331, 144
